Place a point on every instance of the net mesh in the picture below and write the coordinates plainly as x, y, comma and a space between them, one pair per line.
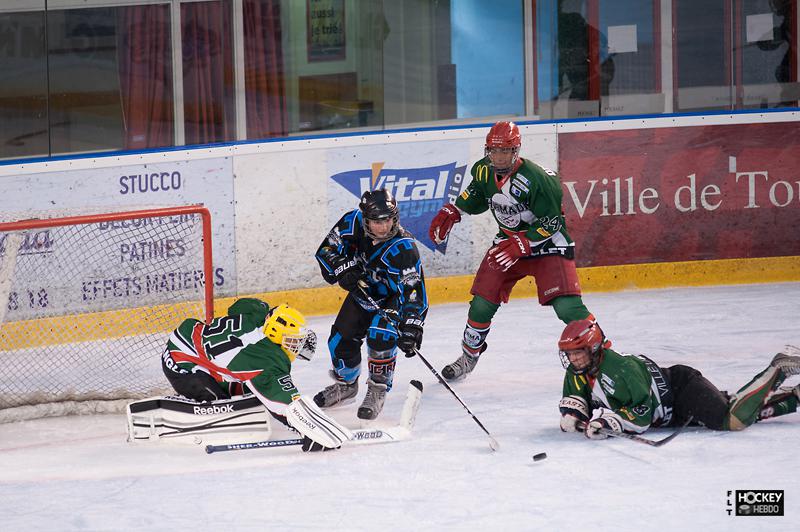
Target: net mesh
88, 306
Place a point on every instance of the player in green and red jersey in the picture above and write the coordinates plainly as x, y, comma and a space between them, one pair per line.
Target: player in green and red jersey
532, 240
250, 350
631, 393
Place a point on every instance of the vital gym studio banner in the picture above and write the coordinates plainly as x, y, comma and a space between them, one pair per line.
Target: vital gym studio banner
682, 193
421, 176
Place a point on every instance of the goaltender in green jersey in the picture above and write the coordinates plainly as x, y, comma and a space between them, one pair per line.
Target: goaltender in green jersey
251, 350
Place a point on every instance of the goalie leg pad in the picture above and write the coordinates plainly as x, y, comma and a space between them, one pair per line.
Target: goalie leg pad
178, 417
305, 417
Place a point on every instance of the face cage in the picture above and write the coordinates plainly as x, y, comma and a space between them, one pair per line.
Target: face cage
302, 344
390, 234
567, 364
514, 159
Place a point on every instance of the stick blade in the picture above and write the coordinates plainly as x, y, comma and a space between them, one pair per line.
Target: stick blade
411, 405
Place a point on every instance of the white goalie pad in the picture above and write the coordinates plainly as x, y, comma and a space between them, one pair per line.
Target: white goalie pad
181, 420
310, 421
367, 436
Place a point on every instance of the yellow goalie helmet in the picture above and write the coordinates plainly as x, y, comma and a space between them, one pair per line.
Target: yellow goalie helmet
286, 327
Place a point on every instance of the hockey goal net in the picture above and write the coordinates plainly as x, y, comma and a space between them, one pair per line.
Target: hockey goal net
86, 303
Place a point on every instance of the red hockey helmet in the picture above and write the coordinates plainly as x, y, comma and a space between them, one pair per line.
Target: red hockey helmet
504, 135
582, 335
502, 146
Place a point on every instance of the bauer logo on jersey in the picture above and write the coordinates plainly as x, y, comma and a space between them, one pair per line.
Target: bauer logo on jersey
420, 192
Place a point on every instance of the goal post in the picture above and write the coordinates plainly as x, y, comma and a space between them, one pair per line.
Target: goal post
86, 303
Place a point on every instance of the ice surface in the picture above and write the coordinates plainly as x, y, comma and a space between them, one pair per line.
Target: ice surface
78, 473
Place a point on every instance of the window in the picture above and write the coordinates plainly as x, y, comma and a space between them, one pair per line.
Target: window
630, 73
702, 60
597, 58
766, 62
208, 77
23, 85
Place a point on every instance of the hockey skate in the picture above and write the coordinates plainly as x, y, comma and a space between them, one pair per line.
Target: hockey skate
459, 369
337, 394
788, 361
789, 390
373, 402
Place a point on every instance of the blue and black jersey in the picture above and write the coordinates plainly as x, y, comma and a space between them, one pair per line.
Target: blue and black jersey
393, 268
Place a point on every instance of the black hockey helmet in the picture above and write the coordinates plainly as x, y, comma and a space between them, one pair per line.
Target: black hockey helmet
377, 205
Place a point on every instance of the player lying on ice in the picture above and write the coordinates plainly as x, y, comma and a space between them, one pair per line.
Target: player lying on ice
617, 392
251, 350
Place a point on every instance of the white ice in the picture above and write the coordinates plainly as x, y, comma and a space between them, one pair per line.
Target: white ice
78, 473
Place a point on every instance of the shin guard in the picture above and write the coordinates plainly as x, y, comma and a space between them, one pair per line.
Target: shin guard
751, 398
474, 341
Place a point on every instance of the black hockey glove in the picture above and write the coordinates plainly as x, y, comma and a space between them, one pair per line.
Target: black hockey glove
410, 334
310, 446
348, 272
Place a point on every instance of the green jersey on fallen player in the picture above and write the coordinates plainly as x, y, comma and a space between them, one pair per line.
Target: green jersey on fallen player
234, 349
528, 201
623, 383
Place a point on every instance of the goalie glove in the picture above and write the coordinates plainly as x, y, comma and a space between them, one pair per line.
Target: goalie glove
505, 254
443, 222
314, 425
605, 419
574, 410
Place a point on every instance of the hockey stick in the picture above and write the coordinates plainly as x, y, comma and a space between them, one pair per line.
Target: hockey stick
641, 439
360, 436
492, 442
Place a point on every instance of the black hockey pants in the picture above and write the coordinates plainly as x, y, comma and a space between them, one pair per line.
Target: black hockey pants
199, 386
694, 395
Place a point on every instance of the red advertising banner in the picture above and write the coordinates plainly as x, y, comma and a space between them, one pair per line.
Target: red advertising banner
683, 193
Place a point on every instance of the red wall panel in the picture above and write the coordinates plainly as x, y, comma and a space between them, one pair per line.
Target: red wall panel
683, 193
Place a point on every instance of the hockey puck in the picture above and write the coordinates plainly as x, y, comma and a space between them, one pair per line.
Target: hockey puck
539, 457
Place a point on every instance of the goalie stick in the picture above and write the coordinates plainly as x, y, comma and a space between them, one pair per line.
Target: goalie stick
641, 439
492, 442
360, 436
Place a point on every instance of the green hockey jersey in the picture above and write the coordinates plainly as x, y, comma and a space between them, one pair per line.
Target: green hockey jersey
528, 201
233, 348
625, 384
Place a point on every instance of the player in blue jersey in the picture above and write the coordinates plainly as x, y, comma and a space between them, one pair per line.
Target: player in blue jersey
369, 252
